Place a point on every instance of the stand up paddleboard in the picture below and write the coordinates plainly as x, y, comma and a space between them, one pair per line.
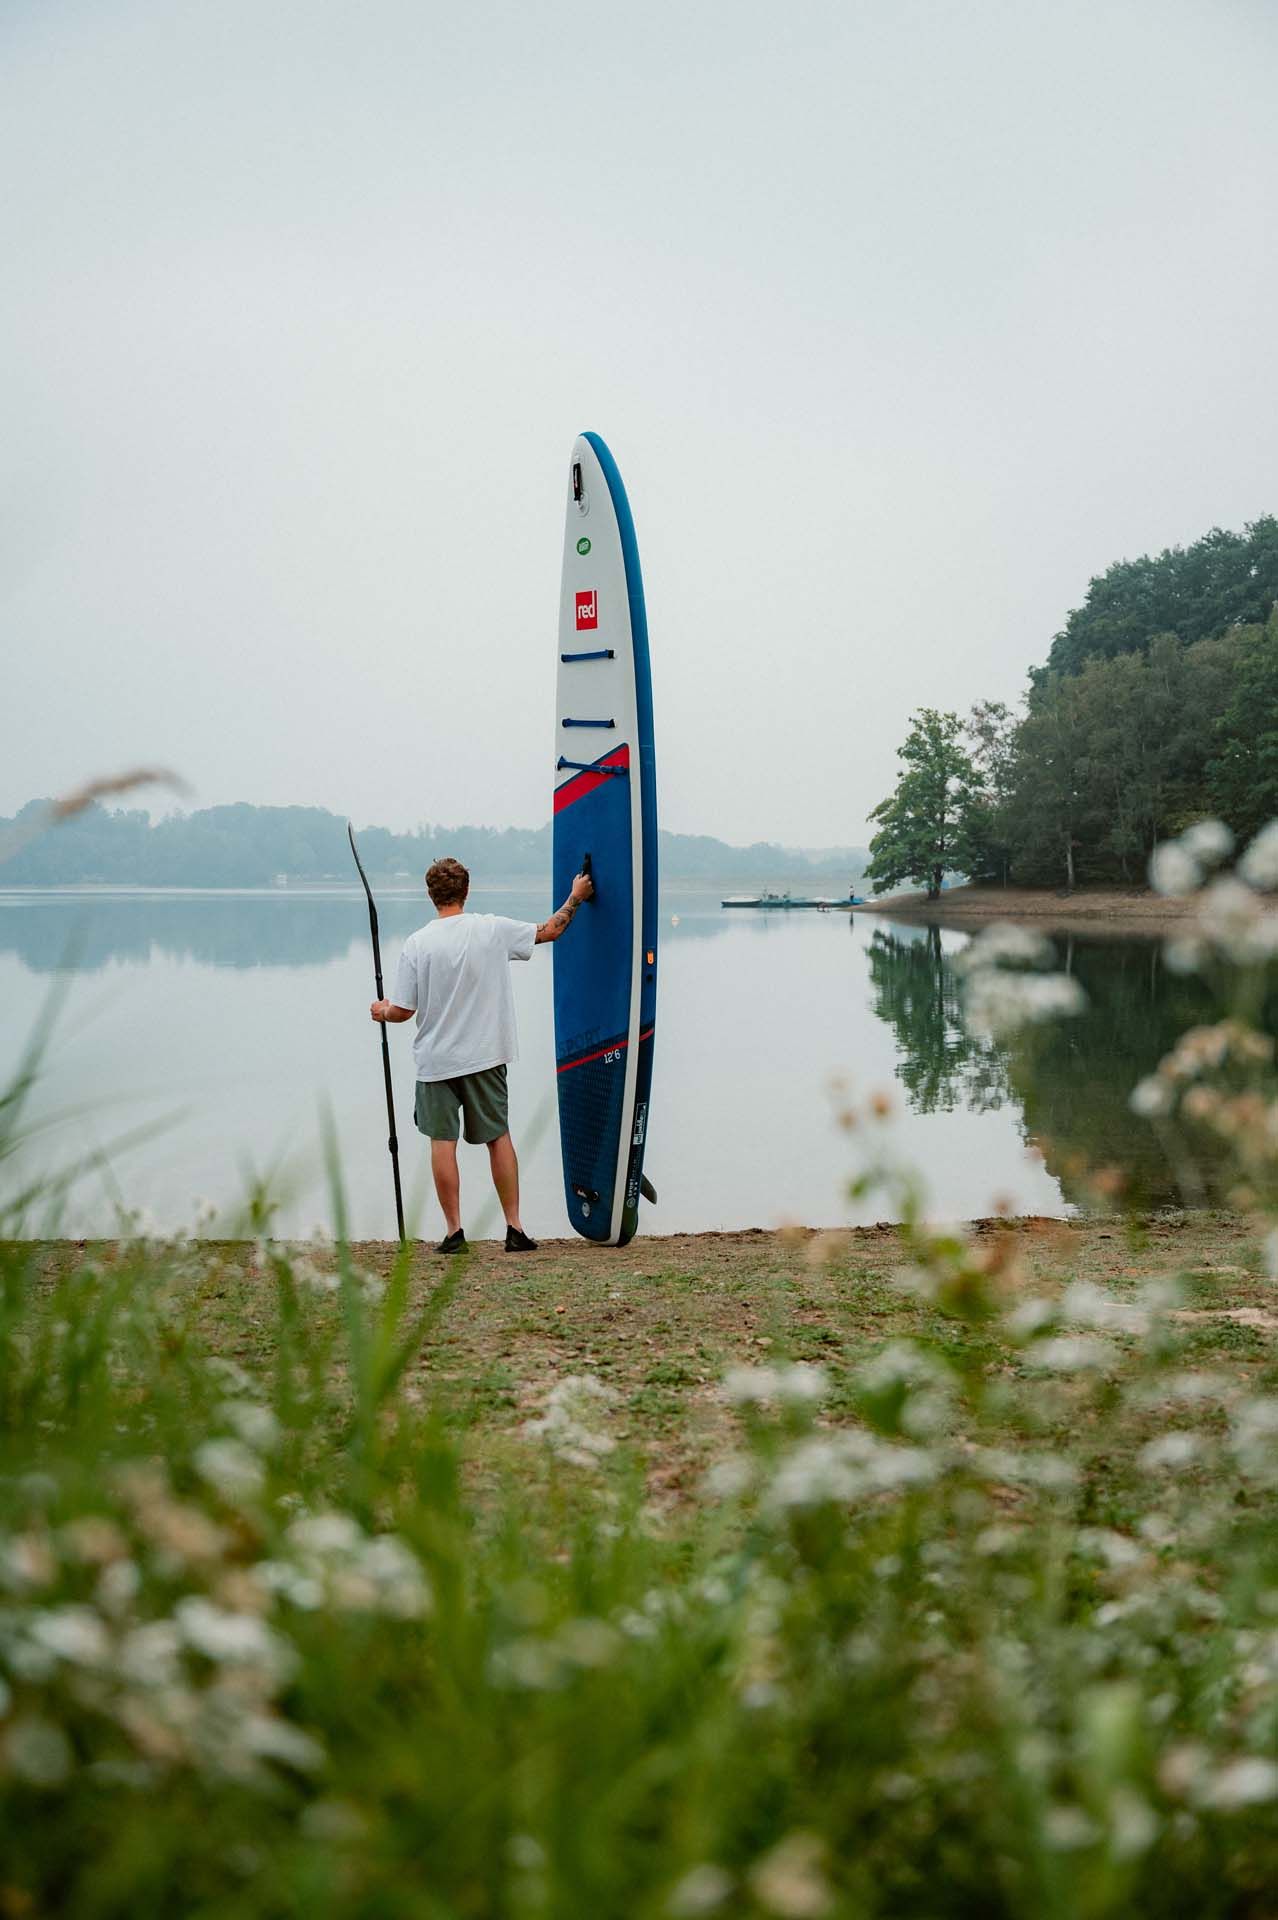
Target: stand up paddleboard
605, 821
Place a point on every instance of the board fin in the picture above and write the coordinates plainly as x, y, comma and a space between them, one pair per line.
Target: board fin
647, 1189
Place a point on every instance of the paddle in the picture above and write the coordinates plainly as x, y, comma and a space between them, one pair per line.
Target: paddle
392, 1143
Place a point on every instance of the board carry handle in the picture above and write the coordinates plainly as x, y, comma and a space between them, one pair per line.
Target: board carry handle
587, 866
586, 766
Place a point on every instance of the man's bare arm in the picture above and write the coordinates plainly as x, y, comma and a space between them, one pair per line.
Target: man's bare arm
560, 921
388, 1012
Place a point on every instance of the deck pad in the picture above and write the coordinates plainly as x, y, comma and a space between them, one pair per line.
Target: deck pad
605, 967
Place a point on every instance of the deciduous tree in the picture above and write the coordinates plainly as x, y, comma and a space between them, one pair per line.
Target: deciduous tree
922, 826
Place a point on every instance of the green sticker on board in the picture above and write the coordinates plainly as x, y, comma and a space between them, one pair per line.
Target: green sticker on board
583, 545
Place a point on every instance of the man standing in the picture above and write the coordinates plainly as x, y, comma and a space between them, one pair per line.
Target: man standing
453, 975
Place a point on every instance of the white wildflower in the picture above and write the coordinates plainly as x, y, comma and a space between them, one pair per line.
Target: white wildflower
846, 1466
1029, 1317
282, 1576
636, 1625
1115, 1549
334, 1562
997, 1002
1133, 1824
797, 1385
922, 1384
230, 1467
1170, 1451
269, 1738
149, 1655
526, 1852
26, 1561
1259, 865
229, 1374
93, 1539
255, 1424
1074, 1353
118, 1587
569, 1423
1151, 1097
1086, 1305
1227, 916
728, 1479
325, 1533
1184, 954
1194, 1388
233, 1639
1245, 1782
1209, 841
314, 1279
1067, 1829
1003, 944
1255, 1438
790, 1881
588, 1643
38, 1752
529, 1664
703, 1889
73, 1634
1174, 870
1023, 1468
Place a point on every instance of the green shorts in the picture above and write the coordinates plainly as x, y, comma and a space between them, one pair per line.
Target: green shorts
479, 1098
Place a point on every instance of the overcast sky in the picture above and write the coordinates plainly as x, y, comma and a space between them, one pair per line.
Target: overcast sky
902, 318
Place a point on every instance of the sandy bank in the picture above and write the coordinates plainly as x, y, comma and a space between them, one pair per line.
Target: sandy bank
1101, 909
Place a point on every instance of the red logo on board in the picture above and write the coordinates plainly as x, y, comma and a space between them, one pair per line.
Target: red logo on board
587, 610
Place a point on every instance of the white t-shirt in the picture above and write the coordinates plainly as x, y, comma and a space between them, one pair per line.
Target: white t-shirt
454, 972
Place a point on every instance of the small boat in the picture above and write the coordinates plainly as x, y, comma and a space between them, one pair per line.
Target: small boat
784, 902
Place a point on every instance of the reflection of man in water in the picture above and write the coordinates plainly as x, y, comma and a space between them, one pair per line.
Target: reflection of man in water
453, 974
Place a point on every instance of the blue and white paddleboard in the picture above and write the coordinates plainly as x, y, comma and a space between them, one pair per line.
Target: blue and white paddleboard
606, 814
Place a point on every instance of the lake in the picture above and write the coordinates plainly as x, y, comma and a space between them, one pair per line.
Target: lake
196, 1042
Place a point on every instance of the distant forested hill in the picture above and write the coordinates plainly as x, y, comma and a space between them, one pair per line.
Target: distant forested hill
247, 846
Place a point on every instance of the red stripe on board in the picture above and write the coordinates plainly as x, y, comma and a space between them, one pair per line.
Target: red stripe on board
584, 783
618, 1046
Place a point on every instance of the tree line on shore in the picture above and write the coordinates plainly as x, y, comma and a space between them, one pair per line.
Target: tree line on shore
249, 846
1158, 706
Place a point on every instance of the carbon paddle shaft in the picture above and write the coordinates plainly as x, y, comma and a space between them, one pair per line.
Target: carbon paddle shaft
392, 1143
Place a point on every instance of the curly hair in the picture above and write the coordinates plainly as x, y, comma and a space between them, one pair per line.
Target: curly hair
447, 883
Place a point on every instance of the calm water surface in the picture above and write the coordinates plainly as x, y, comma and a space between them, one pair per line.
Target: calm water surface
222, 1028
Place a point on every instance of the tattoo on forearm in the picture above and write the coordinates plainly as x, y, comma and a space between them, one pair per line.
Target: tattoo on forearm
560, 919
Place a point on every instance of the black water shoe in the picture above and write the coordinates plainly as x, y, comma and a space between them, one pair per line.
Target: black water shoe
454, 1243
518, 1242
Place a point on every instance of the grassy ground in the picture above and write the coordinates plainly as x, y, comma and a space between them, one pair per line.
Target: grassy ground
661, 1322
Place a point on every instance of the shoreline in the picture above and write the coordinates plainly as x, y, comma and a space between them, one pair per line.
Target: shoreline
1095, 909
794, 1239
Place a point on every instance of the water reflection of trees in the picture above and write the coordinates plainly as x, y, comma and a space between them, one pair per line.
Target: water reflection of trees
916, 990
1071, 1079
